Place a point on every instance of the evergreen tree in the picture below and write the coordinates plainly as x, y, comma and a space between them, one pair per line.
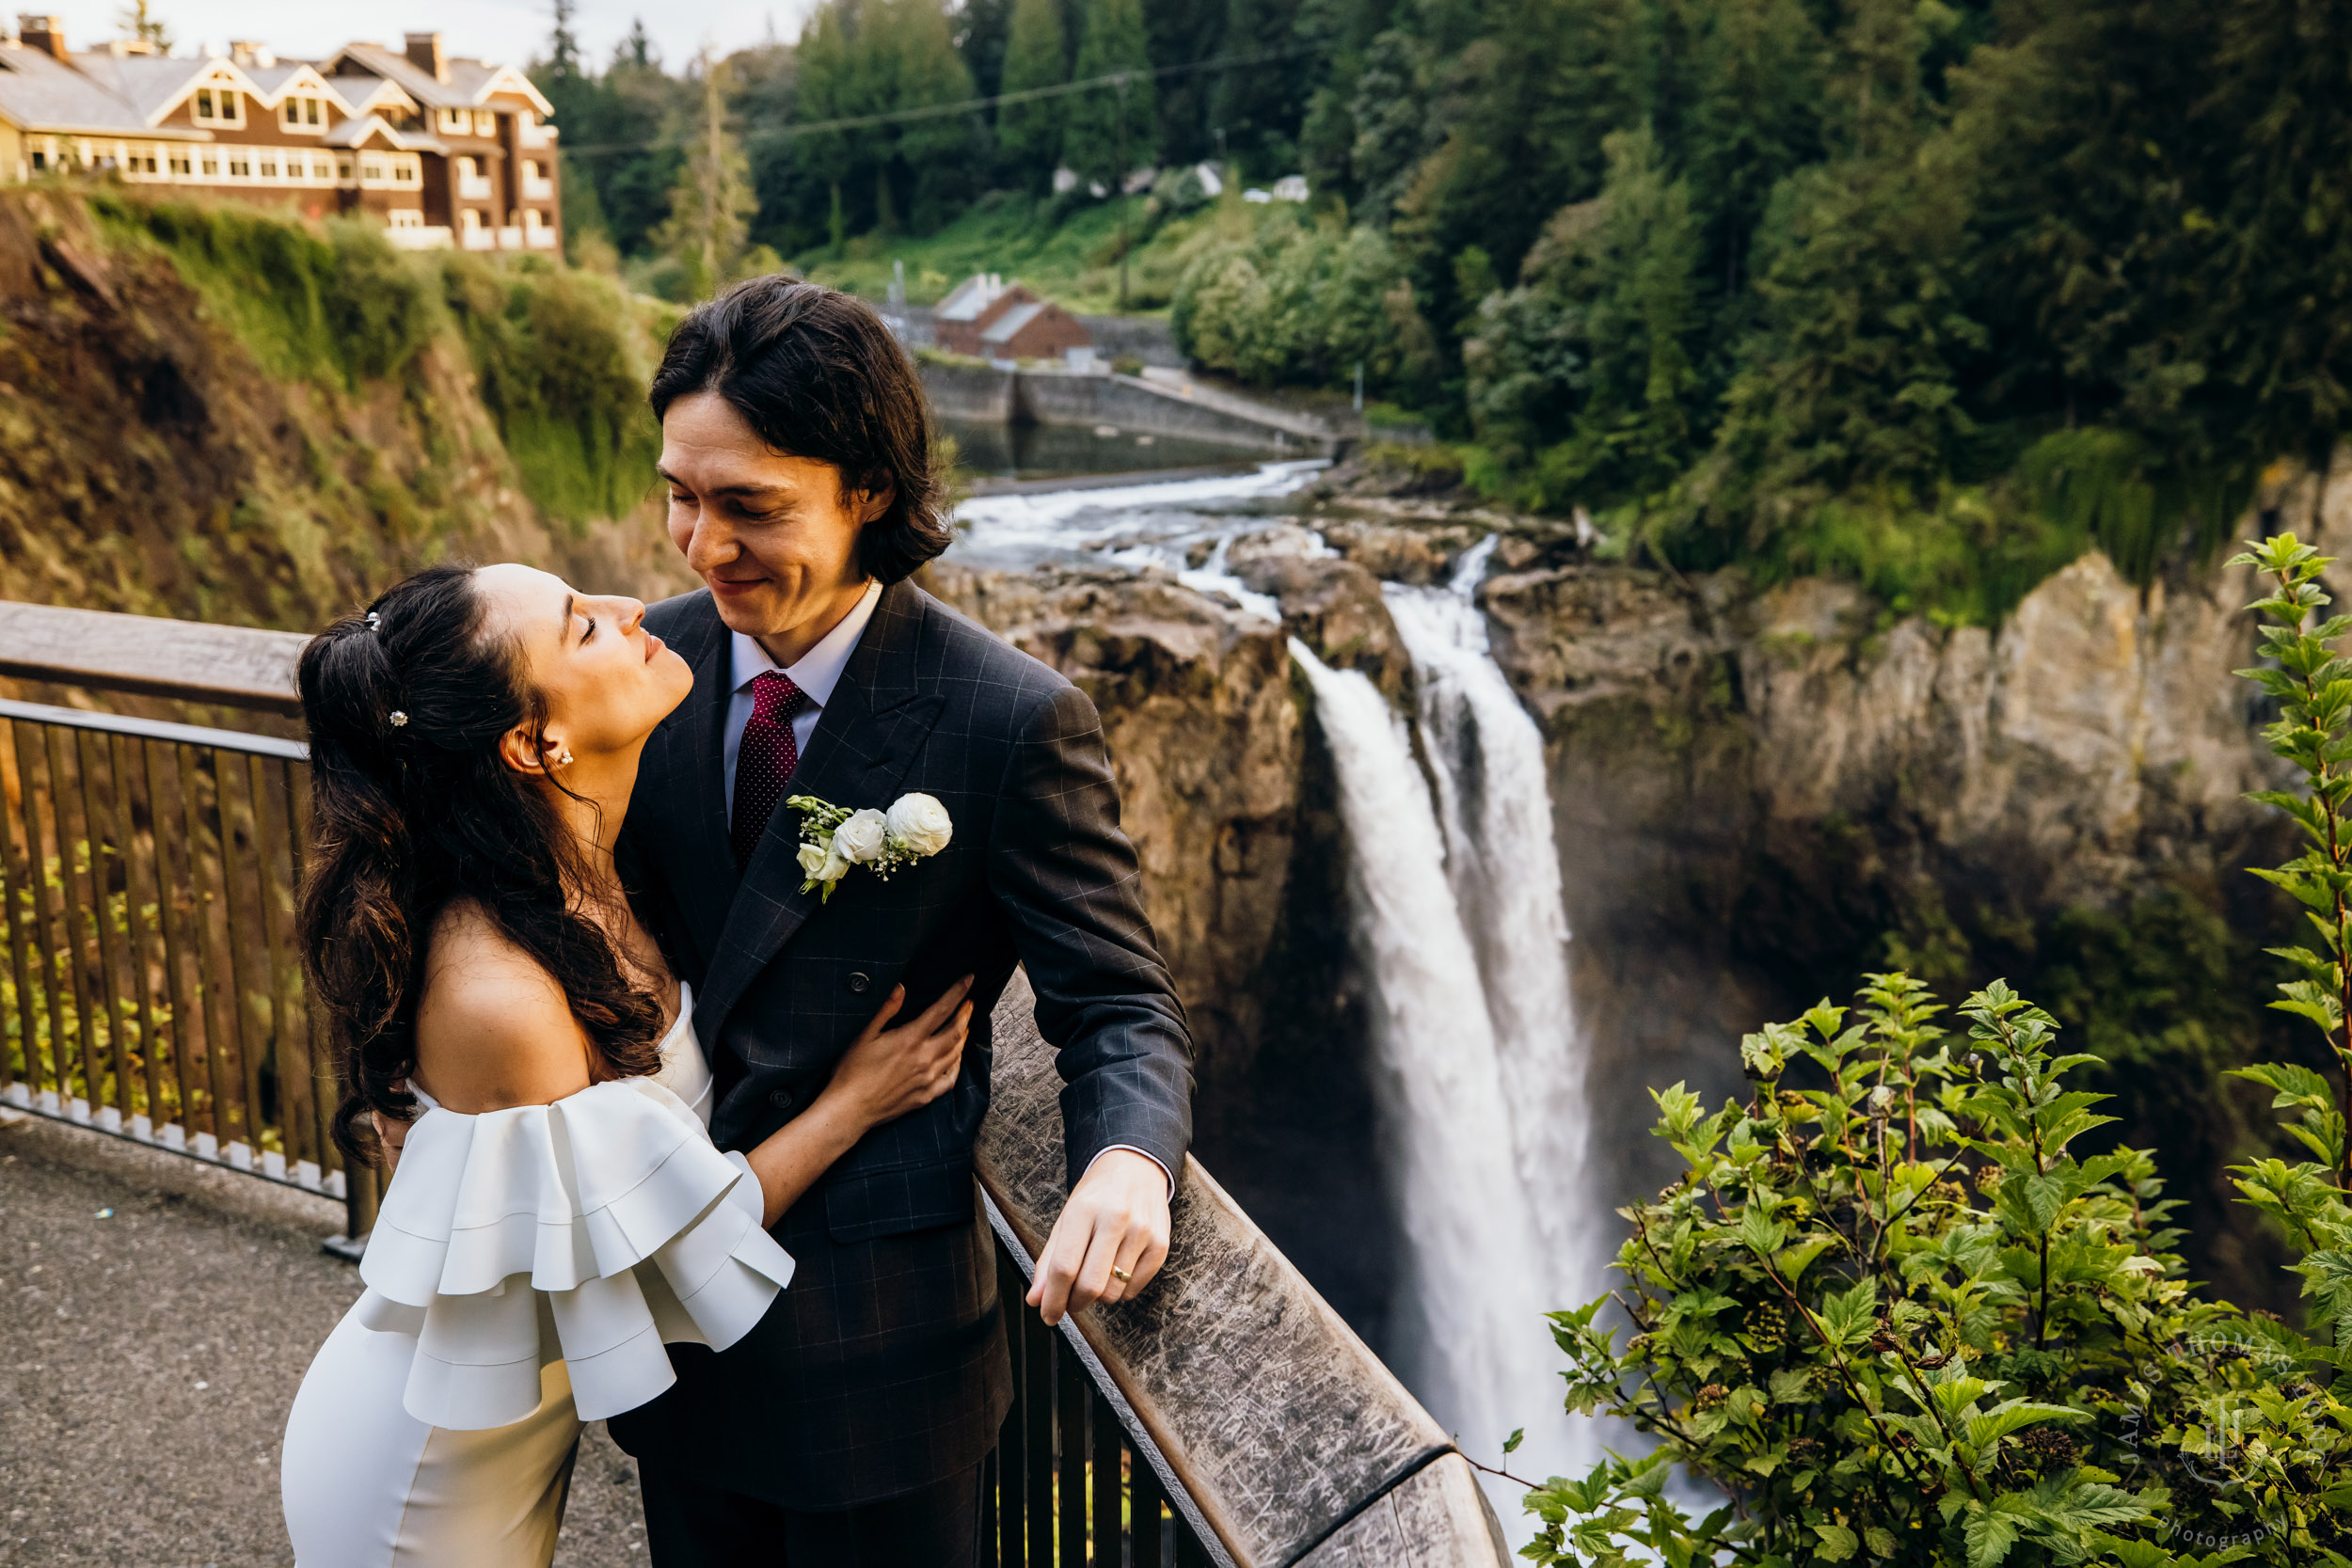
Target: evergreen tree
1029, 135
711, 204
1111, 44
1257, 104
1184, 32
982, 32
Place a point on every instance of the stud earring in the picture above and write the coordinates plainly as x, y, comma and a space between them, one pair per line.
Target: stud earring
564, 758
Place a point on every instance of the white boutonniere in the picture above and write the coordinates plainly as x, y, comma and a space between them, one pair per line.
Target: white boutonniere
835, 838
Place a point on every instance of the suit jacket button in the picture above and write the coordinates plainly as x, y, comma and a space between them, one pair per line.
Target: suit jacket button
860, 983
781, 1099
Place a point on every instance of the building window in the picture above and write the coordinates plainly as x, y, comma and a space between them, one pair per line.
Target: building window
469, 219
405, 173
322, 169
310, 115
370, 168
212, 166
222, 108
343, 168
455, 121
240, 170
269, 170
405, 218
41, 159
485, 123
182, 165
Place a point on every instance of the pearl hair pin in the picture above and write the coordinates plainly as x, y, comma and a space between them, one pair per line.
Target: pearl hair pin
400, 720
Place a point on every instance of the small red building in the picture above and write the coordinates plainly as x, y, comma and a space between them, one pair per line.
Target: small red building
989, 319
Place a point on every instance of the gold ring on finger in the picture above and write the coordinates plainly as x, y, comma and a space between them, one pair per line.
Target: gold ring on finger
1122, 1275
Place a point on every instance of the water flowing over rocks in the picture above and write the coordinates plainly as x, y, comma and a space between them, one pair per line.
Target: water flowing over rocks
1751, 790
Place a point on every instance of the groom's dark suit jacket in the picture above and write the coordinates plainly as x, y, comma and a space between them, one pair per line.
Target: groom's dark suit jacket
883, 1365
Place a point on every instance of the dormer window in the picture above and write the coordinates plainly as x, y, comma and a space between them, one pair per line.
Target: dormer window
485, 123
300, 114
456, 122
219, 106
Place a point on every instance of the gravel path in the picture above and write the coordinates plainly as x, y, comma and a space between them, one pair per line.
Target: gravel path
156, 1317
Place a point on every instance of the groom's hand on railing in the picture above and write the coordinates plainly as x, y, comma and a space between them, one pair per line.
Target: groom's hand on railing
1114, 1224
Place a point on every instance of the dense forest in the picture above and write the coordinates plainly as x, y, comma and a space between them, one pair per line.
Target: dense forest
1927, 294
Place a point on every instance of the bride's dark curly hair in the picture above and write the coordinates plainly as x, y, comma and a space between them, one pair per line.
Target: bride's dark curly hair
413, 810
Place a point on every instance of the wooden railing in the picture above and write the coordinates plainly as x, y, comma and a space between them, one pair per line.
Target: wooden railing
147, 872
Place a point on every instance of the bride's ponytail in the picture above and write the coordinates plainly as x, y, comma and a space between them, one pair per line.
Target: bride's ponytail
412, 808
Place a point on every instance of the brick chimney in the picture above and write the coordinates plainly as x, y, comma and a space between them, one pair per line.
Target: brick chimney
424, 53
44, 33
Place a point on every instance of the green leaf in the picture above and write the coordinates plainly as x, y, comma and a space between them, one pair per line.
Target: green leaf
1988, 1536
1880, 1540
1511, 1444
1837, 1543
1792, 1260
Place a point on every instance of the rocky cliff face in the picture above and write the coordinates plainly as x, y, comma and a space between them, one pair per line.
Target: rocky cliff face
1757, 796
151, 461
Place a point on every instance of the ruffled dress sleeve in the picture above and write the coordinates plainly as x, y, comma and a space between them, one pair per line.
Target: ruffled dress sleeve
595, 1229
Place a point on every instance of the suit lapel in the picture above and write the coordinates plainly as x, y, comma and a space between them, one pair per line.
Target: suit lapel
863, 744
686, 767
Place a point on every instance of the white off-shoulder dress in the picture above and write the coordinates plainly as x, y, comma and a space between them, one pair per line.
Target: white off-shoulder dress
525, 1269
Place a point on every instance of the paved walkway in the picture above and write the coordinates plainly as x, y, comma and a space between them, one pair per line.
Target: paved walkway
156, 1317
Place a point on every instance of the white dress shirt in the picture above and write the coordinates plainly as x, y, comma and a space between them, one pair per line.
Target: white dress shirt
817, 672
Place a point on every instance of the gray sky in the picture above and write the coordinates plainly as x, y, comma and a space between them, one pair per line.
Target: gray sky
503, 31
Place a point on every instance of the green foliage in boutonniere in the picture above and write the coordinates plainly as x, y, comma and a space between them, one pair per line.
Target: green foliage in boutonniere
835, 838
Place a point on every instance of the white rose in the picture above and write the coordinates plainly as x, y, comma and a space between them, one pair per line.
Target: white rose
862, 837
921, 824
812, 860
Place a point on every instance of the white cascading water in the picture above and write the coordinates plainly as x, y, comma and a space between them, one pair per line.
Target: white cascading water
1494, 802
1471, 1339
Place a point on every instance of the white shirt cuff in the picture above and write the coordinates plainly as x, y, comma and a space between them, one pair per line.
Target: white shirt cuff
1147, 1154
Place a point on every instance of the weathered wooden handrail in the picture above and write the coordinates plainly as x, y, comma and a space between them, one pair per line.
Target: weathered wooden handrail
189, 660
1296, 1443
1281, 1441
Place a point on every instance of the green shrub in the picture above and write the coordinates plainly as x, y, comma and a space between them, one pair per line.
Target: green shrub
1298, 301
562, 366
1896, 1311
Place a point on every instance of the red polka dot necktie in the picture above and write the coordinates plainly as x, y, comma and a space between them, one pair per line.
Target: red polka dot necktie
764, 760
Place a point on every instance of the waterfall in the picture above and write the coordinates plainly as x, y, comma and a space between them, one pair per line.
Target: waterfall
1495, 803
1471, 1341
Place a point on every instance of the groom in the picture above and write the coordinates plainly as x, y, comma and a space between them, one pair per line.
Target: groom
849, 1430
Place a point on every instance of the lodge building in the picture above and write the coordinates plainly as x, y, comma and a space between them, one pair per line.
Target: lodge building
444, 151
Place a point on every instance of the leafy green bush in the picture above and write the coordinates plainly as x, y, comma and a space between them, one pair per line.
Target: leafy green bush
564, 371
1301, 301
1898, 1310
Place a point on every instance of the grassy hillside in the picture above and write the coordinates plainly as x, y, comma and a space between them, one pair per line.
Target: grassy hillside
1067, 250
218, 412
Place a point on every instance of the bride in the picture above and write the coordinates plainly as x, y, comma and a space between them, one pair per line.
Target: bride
557, 1211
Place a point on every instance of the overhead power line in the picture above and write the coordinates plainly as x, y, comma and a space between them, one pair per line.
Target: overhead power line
968, 105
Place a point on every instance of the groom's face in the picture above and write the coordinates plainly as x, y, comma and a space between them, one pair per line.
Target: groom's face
772, 535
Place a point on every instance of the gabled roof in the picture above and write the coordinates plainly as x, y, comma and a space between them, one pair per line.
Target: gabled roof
470, 81
361, 94
275, 82
358, 134
40, 93
1004, 328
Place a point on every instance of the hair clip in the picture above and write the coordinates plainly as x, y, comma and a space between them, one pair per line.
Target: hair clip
400, 720
375, 622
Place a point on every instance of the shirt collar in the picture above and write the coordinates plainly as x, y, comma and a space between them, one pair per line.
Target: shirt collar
818, 671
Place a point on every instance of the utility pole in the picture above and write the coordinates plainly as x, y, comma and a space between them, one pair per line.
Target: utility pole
1121, 86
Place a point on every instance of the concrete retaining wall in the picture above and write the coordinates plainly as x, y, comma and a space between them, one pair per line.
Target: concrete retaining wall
985, 393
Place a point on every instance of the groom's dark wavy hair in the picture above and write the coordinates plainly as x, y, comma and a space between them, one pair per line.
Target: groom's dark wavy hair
817, 374
409, 817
